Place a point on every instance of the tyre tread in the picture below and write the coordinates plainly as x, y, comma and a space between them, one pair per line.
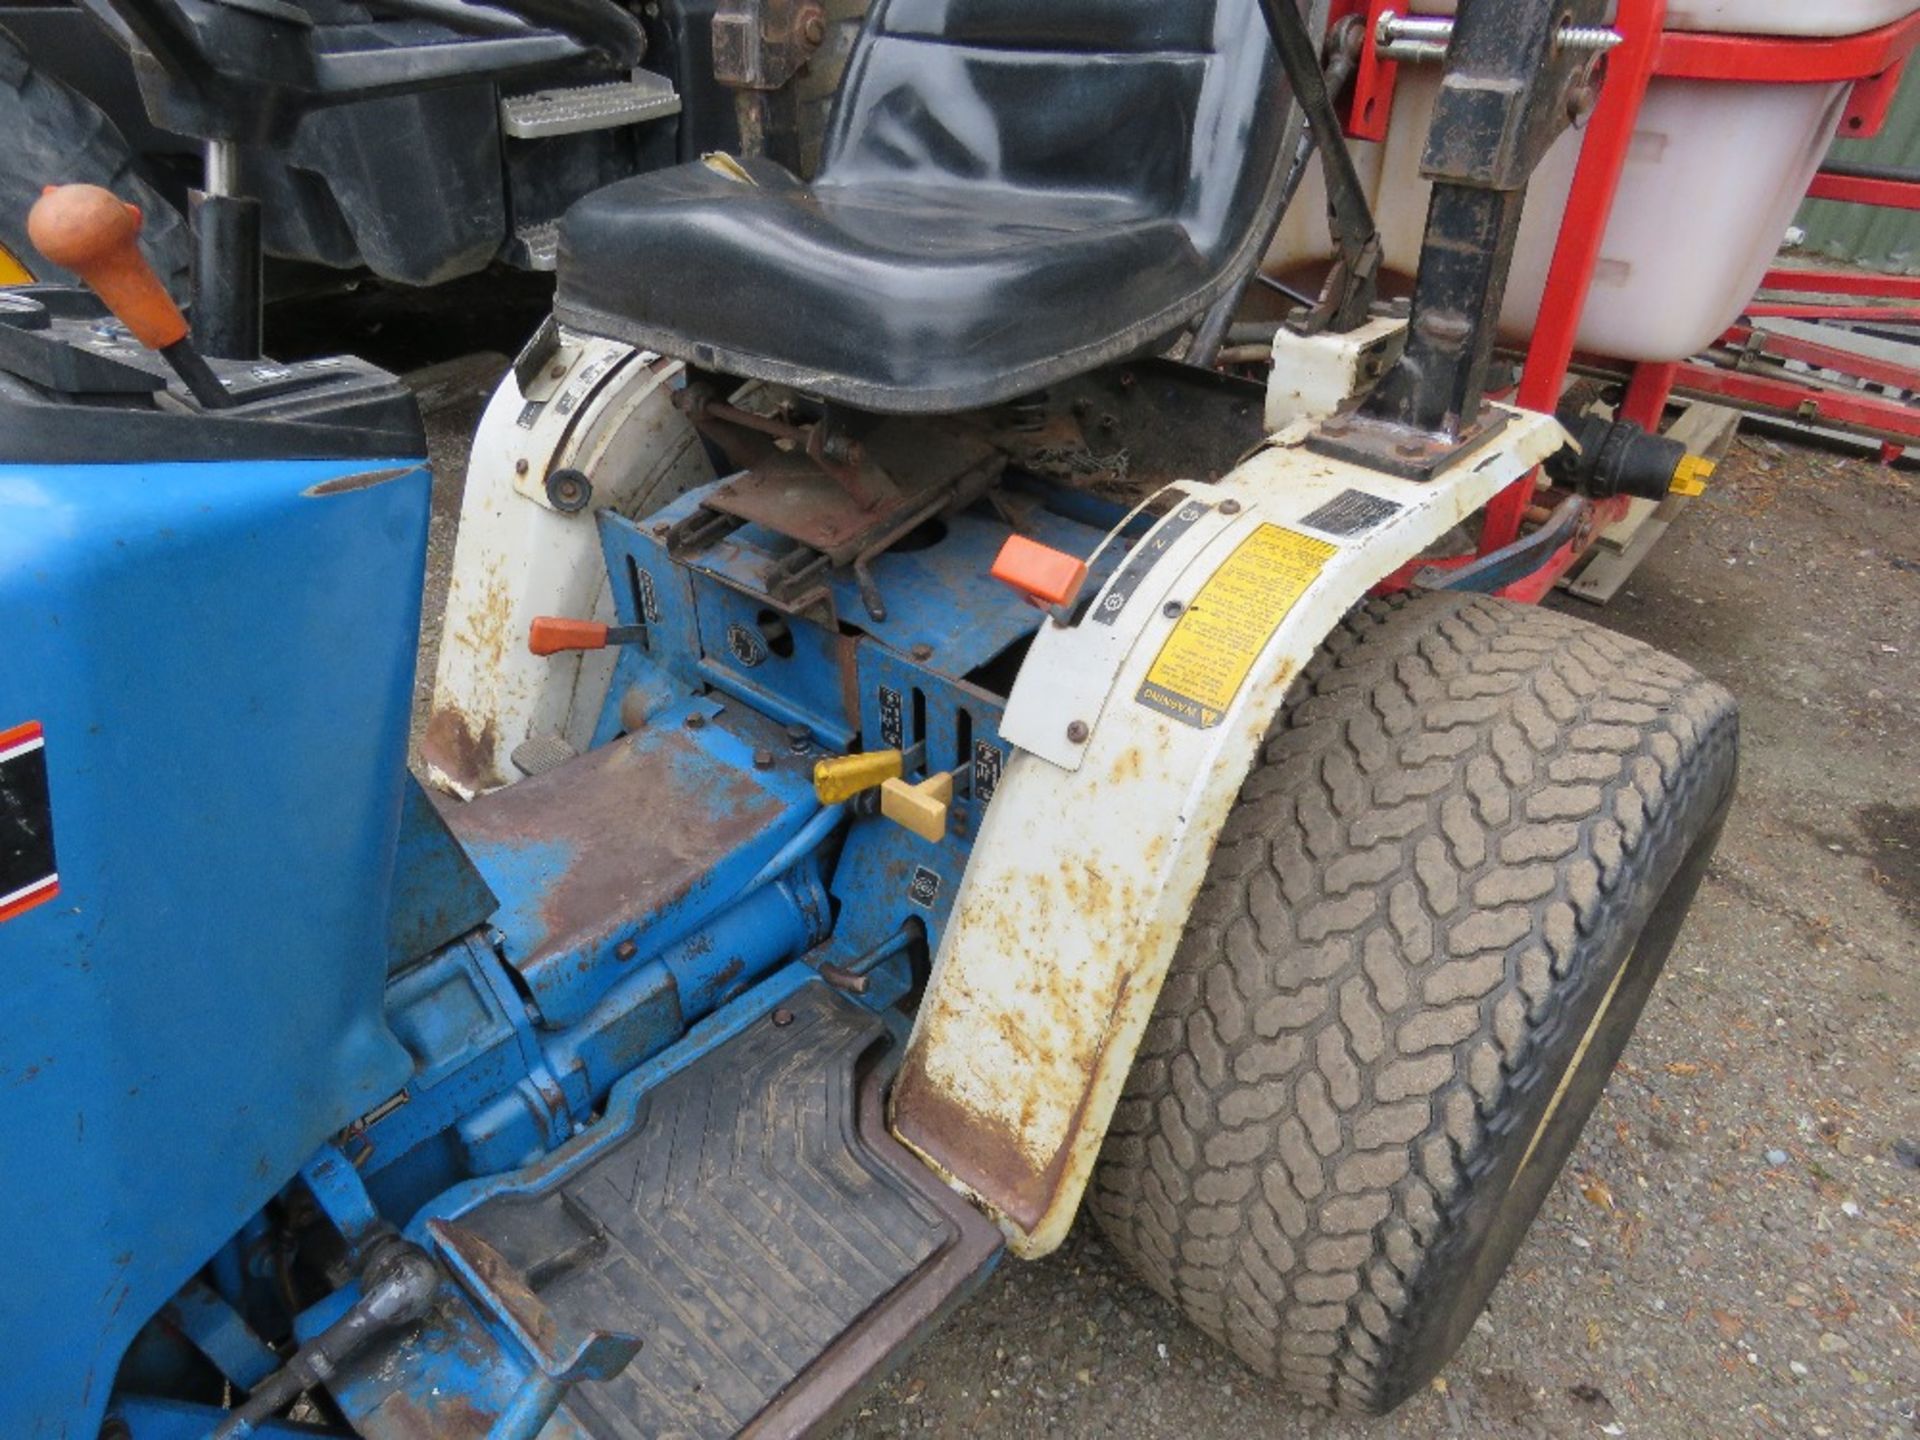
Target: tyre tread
1379, 963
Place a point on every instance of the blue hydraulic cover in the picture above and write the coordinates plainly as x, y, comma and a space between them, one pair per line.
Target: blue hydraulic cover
205, 677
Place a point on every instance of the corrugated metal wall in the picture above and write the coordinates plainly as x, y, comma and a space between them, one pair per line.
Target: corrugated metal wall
1871, 235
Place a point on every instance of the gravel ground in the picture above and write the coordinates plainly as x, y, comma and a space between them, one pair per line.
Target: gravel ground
1734, 1249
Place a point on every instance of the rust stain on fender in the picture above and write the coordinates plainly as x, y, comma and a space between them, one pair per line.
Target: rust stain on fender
989, 1155
451, 745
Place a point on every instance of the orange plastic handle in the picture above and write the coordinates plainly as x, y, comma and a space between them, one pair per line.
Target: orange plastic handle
1044, 575
549, 635
92, 232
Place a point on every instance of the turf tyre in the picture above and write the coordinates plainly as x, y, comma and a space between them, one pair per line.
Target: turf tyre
1436, 911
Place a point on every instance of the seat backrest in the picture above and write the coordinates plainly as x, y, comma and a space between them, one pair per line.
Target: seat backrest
1174, 109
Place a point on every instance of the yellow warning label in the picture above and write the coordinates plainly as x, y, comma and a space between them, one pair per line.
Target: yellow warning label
1205, 660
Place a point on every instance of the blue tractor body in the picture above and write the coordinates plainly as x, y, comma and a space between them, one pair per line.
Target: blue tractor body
218, 658
277, 1007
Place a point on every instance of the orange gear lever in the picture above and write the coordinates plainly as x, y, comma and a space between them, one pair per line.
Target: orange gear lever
552, 635
92, 232
95, 234
1046, 577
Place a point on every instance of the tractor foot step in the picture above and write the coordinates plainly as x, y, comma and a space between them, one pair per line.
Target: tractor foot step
770, 1245
546, 113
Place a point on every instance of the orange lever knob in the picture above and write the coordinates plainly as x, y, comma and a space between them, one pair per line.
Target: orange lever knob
95, 234
550, 635
1045, 576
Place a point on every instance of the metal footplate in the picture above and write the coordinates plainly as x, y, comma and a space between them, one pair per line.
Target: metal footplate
758, 1232
545, 113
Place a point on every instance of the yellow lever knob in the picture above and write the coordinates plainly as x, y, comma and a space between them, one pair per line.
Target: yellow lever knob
845, 776
920, 808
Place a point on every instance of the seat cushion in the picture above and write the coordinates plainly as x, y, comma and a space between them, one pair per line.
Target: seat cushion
898, 298
1012, 192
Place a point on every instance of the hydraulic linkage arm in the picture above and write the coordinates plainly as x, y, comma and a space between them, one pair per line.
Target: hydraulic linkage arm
1518, 73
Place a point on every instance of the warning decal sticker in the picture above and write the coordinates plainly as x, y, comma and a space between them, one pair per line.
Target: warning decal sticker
27, 874
1204, 661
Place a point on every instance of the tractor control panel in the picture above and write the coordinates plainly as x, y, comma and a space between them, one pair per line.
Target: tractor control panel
77, 387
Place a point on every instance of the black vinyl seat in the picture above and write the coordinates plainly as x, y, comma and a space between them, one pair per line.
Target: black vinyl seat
1011, 192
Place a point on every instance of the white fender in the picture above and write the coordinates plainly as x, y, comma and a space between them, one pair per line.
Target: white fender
596, 406
1135, 730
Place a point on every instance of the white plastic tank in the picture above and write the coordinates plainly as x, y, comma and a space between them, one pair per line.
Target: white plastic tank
1712, 179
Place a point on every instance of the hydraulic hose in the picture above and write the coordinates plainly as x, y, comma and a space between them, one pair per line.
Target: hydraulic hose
397, 1288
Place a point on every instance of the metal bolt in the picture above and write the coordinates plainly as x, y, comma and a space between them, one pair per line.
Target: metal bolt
556, 370
694, 722
626, 950
520, 466
763, 759
1077, 732
783, 1016
1172, 608
1423, 40
1229, 507
1596, 39
813, 29
661, 527
569, 491
799, 739
922, 651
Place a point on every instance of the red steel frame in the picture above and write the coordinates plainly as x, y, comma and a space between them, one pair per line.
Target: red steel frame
1872, 61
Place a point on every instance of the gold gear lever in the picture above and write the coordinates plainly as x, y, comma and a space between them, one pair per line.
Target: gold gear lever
845, 776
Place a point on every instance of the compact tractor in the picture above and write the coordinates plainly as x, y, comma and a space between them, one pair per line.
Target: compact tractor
917, 752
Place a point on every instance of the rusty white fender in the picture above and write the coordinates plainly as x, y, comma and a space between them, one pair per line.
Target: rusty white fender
1135, 729
596, 406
